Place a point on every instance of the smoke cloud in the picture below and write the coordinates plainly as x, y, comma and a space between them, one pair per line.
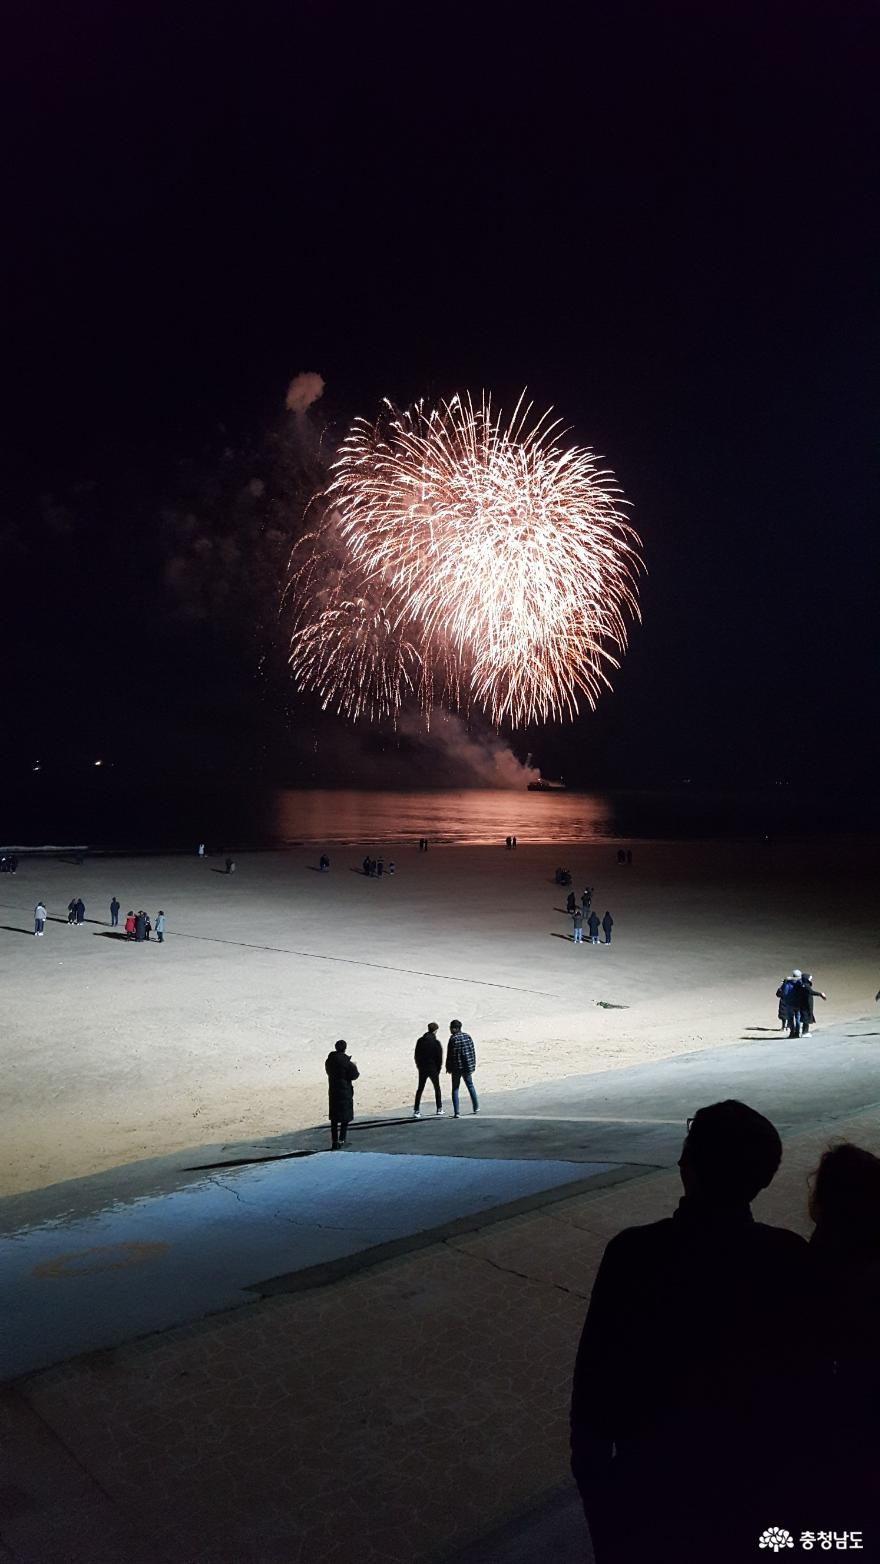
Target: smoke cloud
304, 389
467, 757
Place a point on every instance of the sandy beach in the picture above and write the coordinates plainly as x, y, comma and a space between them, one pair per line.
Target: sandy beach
115, 1052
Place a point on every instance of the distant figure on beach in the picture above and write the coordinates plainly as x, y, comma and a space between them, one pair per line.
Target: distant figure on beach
148, 927
201, 849
391, 867
461, 1062
805, 994
607, 926
586, 900
40, 916
513, 840
423, 844
691, 1337
80, 911
71, 912
508, 842
570, 902
787, 994
341, 1073
593, 926
230, 866
140, 927
160, 927
429, 1062
130, 926
324, 863
621, 855
366, 866
114, 913
380, 865
577, 919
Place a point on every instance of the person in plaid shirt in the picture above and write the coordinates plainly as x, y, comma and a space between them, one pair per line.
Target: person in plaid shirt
461, 1062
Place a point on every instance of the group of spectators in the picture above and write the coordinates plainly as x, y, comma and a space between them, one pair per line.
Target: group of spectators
727, 1382
796, 994
138, 926
584, 914
461, 1062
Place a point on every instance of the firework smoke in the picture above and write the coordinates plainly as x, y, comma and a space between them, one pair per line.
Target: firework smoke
463, 562
304, 389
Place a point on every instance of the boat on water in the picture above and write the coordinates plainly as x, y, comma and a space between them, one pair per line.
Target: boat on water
546, 787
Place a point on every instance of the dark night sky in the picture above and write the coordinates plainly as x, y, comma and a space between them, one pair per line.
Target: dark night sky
664, 224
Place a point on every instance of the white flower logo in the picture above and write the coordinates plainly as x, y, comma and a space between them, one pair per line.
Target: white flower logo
775, 1538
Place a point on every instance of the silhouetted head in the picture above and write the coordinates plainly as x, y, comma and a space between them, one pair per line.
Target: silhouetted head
730, 1153
433, 1027
341, 1046
845, 1194
455, 1026
796, 972
808, 977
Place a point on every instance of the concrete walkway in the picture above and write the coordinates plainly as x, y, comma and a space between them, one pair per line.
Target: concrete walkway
415, 1409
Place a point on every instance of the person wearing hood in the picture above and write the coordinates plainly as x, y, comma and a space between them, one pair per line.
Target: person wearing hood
788, 995
342, 1072
806, 993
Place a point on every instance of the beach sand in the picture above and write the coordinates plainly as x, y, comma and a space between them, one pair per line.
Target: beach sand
114, 1052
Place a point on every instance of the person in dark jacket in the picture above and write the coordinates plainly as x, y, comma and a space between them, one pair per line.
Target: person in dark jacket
788, 994
577, 919
114, 913
366, 865
341, 1073
689, 1381
140, 927
845, 1264
806, 994
607, 926
586, 900
593, 926
71, 911
80, 911
570, 902
461, 1062
429, 1063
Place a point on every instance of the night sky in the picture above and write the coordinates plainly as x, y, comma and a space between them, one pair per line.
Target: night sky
662, 223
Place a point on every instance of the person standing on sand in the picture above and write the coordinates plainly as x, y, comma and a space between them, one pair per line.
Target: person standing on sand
71, 912
130, 925
806, 994
570, 902
201, 852
577, 919
586, 900
593, 926
429, 1062
341, 1073
40, 916
607, 926
114, 913
80, 911
461, 1062
160, 927
140, 928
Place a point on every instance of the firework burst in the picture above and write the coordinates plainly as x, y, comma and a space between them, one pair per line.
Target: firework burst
463, 561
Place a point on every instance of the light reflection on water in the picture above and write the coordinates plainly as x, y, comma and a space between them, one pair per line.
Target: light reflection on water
471, 816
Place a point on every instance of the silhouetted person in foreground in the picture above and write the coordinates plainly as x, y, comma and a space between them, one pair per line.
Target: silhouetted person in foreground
845, 1262
429, 1062
577, 919
341, 1073
607, 926
461, 1062
570, 902
593, 926
80, 911
71, 912
114, 913
140, 927
685, 1396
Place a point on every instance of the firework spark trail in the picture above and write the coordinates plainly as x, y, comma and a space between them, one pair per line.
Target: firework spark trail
464, 561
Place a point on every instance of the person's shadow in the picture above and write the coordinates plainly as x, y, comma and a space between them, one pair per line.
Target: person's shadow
12, 928
110, 934
567, 937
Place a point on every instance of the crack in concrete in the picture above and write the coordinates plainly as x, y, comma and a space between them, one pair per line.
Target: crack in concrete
508, 1270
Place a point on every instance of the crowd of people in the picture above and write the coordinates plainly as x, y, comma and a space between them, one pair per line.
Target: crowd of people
796, 995
584, 916
138, 925
728, 1374
461, 1062
375, 867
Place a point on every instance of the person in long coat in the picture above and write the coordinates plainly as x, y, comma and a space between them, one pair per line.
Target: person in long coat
341, 1073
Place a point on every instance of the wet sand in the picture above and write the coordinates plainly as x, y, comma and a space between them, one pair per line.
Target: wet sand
115, 1052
